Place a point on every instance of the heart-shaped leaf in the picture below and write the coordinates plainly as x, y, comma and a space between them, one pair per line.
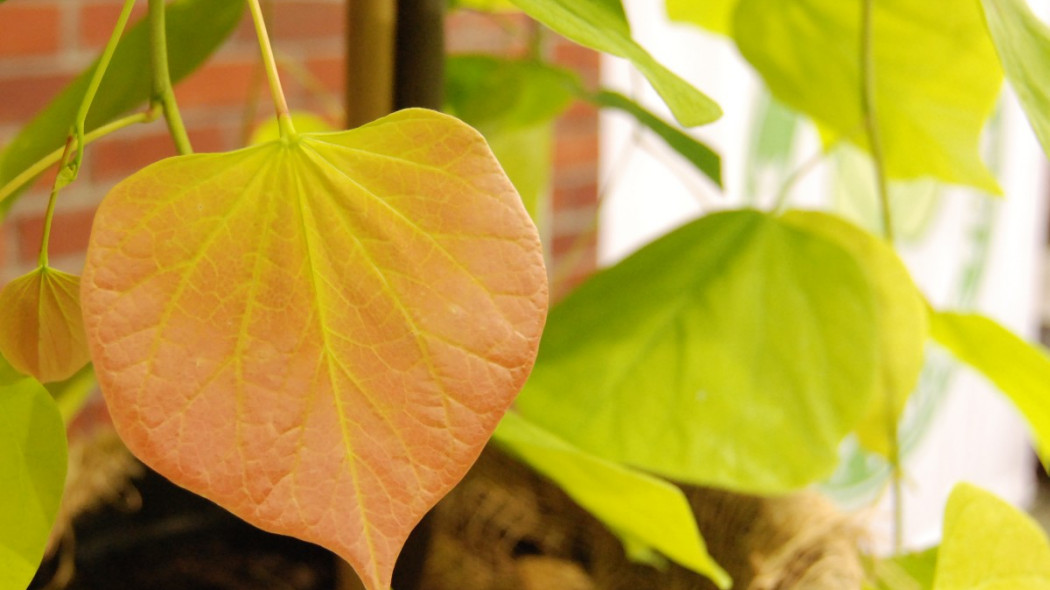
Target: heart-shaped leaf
32, 472
936, 76
318, 333
41, 330
991, 545
736, 351
901, 321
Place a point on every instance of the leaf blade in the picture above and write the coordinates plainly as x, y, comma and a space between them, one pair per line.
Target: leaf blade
295, 349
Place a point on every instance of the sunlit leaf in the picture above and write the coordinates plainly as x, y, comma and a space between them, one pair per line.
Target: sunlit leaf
304, 122
989, 544
195, 29
602, 25
699, 155
648, 510
910, 571
736, 351
1023, 43
1019, 369
901, 321
485, 5
318, 333
714, 15
41, 330
937, 76
33, 471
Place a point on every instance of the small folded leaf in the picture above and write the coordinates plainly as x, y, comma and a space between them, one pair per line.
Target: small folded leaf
902, 325
936, 77
1020, 370
195, 29
318, 333
910, 571
304, 122
33, 472
736, 351
704, 158
989, 544
41, 329
1023, 43
602, 25
650, 512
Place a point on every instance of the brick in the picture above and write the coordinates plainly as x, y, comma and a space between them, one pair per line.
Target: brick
118, 156
308, 21
217, 84
69, 233
21, 97
5, 231
29, 28
98, 19
575, 197
573, 149
330, 72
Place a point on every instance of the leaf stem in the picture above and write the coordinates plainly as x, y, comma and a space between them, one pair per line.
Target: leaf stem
162, 89
870, 112
284, 119
94, 83
49, 215
871, 125
49, 160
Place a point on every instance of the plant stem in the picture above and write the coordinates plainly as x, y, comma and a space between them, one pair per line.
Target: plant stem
871, 125
50, 213
284, 119
162, 90
49, 160
96, 81
870, 112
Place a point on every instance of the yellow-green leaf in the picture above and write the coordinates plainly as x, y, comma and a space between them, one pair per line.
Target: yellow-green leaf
714, 15
736, 351
602, 25
990, 545
41, 330
1019, 369
318, 333
936, 76
644, 509
32, 472
1023, 43
902, 325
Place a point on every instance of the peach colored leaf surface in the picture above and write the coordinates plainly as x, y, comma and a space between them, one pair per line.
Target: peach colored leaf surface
319, 334
41, 330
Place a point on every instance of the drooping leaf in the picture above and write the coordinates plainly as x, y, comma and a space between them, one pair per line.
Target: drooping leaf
989, 544
71, 394
911, 571
714, 15
602, 25
41, 330
195, 29
643, 508
304, 122
704, 158
937, 77
1020, 370
736, 351
1023, 44
901, 321
318, 333
33, 472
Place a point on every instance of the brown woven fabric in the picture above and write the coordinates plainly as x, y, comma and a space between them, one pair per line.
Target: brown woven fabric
506, 528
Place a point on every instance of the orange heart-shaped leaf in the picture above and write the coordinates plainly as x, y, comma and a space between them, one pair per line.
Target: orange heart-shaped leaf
318, 333
41, 330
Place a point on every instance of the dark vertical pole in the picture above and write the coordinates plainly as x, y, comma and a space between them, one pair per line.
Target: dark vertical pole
370, 48
420, 63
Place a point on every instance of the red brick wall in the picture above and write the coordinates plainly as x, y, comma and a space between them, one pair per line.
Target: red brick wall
44, 43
